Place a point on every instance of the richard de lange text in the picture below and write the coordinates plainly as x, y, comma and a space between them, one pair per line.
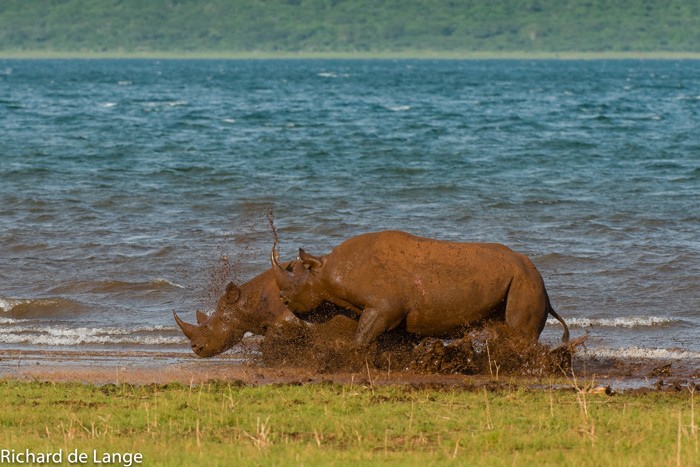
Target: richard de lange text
27, 456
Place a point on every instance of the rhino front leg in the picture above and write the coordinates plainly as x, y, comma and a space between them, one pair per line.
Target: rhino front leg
376, 320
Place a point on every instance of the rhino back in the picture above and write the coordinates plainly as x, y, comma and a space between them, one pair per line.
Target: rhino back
423, 274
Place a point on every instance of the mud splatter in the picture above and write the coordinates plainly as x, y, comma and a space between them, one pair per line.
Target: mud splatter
233, 251
493, 350
223, 271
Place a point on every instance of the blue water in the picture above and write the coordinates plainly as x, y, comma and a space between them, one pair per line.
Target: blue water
123, 184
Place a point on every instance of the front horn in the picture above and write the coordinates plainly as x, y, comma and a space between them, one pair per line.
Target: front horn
188, 329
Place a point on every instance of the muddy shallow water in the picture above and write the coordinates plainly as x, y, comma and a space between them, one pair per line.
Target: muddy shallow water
295, 354
328, 347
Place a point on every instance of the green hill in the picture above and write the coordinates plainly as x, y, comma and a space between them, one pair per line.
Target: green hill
340, 26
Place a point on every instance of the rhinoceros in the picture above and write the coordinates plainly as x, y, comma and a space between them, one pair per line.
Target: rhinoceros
252, 307
430, 287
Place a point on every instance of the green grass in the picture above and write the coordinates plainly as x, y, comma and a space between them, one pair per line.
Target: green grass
349, 26
226, 424
396, 55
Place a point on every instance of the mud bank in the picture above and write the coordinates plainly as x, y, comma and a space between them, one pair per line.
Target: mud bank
147, 368
323, 354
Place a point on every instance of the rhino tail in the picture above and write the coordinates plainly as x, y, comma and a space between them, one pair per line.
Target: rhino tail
550, 310
565, 337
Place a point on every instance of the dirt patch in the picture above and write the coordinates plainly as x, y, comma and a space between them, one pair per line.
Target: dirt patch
243, 366
494, 350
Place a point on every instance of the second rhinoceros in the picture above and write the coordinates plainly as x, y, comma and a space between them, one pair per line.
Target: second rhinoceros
252, 307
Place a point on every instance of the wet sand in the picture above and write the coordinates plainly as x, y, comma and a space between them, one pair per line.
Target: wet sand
244, 365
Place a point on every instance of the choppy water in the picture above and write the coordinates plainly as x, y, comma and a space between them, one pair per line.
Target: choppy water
122, 183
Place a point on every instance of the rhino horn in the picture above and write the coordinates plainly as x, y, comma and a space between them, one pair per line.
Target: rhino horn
188, 329
201, 317
281, 276
275, 259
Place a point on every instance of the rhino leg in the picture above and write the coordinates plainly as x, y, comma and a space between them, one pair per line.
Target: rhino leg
376, 320
526, 308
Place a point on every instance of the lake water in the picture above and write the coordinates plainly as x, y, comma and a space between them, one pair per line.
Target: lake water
123, 184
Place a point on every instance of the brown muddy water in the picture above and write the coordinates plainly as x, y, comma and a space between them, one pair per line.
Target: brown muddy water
324, 353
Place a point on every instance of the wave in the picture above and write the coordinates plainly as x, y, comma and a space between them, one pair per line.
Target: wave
331, 74
398, 108
65, 336
164, 103
39, 307
621, 322
115, 286
641, 352
43, 339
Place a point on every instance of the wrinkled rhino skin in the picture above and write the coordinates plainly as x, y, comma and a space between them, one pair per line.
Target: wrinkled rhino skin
432, 287
252, 307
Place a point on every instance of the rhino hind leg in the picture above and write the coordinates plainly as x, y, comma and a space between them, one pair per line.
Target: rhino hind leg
527, 308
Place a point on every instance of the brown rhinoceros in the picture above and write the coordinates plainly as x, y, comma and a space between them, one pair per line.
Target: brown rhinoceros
430, 287
252, 307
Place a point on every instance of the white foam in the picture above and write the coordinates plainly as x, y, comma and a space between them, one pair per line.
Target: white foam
399, 108
44, 339
67, 331
7, 304
162, 280
59, 335
641, 352
620, 322
155, 104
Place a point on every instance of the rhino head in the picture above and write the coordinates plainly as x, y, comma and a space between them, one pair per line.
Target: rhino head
300, 283
219, 332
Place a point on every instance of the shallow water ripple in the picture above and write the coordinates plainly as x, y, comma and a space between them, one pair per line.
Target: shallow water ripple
124, 182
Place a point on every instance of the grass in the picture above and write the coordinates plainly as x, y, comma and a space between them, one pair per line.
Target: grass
219, 423
396, 55
349, 25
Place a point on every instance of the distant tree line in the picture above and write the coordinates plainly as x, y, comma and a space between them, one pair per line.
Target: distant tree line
230, 26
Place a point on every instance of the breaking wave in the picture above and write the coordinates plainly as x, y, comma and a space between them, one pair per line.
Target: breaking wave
39, 307
115, 286
67, 336
620, 322
640, 352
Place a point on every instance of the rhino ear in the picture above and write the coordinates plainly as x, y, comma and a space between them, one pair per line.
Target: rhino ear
310, 261
233, 293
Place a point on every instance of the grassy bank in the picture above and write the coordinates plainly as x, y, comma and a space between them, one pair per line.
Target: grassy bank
227, 424
402, 55
349, 26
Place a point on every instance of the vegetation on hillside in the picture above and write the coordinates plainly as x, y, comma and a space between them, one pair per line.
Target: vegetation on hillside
236, 26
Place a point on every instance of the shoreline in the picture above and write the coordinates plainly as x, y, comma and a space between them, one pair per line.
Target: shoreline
244, 368
389, 55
